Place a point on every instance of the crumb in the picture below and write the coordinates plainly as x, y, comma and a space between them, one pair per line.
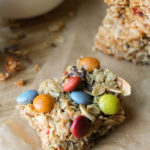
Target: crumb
20, 82
3, 76
13, 65
13, 24
56, 27
15, 51
53, 45
17, 36
71, 14
10, 49
60, 39
37, 68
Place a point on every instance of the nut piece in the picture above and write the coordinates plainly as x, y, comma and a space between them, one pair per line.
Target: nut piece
85, 113
125, 86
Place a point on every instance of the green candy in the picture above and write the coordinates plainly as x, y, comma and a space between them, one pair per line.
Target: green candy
109, 104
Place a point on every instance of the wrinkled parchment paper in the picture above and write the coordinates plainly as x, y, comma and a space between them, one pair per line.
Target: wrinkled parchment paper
134, 134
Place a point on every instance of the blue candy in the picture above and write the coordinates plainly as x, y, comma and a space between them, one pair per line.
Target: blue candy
80, 97
26, 97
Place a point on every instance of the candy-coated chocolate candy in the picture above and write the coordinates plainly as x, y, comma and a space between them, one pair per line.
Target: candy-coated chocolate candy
80, 97
80, 127
43, 103
109, 104
89, 63
71, 84
26, 97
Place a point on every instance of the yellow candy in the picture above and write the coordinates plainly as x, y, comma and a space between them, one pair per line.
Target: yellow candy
109, 104
43, 103
89, 63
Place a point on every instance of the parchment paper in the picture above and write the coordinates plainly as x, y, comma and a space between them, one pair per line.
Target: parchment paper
134, 134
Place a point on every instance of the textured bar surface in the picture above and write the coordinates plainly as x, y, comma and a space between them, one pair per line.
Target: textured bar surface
54, 128
124, 35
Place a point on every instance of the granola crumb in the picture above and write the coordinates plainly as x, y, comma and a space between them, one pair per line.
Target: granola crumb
20, 82
53, 44
37, 68
56, 27
13, 24
71, 14
60, 39
3, 76
17, 36
13, 64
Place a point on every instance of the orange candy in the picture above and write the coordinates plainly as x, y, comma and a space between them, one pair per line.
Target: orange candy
43, 103
89, 63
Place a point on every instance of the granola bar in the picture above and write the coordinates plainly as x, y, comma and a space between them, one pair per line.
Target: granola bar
141, 7
123, 23
131, 3
117, 2
76, 118
123, 36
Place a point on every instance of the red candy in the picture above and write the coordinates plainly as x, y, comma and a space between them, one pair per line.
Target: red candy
80, 126
71, 84
136, 12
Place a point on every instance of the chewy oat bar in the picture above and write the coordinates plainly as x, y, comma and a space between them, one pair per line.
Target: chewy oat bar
71, 113
131, 3
123, 23
121, 3
123, 36
141, 7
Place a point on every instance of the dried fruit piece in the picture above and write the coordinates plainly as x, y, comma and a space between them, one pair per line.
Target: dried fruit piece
47, 132
137, 12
